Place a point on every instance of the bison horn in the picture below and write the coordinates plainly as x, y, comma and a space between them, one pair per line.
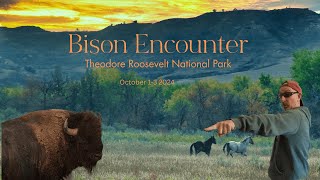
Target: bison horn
71, 132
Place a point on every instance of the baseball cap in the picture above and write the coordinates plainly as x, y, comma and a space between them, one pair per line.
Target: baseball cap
294, 85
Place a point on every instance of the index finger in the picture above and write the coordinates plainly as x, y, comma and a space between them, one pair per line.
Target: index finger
210, 128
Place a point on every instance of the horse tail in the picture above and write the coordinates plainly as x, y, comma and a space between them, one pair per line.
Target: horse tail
226, 144
191, 149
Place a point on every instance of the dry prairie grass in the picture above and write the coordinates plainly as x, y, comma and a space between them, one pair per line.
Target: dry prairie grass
135, 160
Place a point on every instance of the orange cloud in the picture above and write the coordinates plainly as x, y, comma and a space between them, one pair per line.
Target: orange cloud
5, 4
95, 15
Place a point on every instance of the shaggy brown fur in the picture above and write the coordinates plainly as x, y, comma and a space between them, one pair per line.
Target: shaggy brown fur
35, 145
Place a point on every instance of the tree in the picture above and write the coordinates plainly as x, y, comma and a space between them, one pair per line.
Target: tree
110, 95
58, 81
8, 113
3, 98
58, 94
47, 92
265, 80
45, 86
306, 70
226, 102
90, 91
241, 83
270, 93
72, 95
178, 109
253, 96
200, 96
150, 105
31, 96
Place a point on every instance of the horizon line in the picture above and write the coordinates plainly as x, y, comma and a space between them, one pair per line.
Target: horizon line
135, 21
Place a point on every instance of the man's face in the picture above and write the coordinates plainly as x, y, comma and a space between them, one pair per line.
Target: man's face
289, 97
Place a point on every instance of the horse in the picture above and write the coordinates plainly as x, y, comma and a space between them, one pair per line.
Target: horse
238, 147
202, 146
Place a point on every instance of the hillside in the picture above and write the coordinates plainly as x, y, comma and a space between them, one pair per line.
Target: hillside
273, 36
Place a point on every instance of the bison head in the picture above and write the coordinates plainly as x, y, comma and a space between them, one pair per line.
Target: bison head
83, 131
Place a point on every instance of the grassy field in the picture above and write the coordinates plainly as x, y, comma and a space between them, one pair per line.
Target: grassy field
137, 155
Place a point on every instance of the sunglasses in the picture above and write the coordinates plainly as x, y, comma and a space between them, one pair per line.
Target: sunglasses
287, 94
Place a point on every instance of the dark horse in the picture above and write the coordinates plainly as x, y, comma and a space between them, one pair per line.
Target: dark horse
203, 146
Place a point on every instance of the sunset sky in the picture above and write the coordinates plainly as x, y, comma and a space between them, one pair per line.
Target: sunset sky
62, 15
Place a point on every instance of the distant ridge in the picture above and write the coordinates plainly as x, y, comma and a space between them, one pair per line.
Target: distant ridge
284, 11
289, 11
23, 29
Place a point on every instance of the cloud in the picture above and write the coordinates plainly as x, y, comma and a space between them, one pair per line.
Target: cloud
45, 22
5, 4
90, 15
277, 4
36, 21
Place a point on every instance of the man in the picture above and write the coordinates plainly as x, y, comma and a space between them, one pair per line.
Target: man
291, 128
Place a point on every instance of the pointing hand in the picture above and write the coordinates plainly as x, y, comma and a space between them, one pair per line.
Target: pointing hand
223, 127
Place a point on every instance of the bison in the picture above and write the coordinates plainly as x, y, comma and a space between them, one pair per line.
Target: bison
49, 144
